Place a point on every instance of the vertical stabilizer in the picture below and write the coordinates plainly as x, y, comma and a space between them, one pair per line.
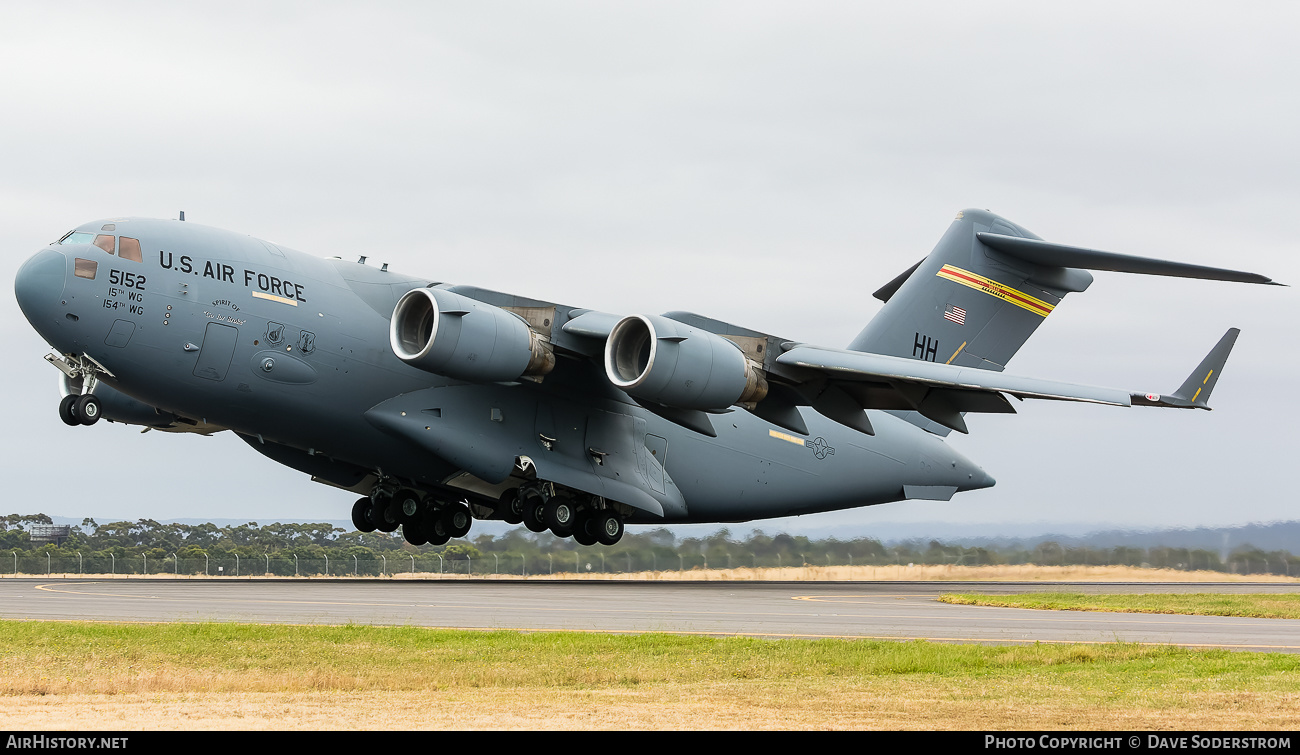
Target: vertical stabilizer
966, 303
989, 284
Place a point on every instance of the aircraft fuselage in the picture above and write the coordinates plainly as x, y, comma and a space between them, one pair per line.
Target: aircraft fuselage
214, 330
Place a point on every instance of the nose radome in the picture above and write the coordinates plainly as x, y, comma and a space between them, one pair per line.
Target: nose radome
39, 284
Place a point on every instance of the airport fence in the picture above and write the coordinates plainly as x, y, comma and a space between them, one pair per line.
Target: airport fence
585, 561
515, 564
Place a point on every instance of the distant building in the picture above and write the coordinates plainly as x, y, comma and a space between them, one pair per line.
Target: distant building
50, 533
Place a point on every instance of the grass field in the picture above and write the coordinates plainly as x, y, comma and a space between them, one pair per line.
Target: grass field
1202, 604
57, 675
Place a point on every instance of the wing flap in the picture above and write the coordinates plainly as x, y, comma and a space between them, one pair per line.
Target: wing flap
856, 366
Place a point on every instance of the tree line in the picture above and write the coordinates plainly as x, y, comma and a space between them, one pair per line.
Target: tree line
146, 545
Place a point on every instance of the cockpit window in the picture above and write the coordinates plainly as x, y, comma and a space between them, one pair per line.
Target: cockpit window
84, 268
105, 242
77, 237
129, 249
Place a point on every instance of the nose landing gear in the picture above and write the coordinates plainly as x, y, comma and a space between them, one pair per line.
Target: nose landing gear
83, 408
80, 410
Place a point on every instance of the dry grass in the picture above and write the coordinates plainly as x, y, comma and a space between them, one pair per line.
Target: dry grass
914, 704
105, 676
933, 573
1261, 606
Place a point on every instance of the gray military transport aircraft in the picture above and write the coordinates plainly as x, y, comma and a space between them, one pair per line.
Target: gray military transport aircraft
441, 403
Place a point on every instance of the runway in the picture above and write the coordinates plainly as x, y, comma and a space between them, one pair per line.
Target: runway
875, 610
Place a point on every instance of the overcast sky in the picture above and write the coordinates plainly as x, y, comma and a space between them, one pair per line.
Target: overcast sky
769, 164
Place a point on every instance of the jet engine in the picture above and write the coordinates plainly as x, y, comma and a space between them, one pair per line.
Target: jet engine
668, 362
453, 335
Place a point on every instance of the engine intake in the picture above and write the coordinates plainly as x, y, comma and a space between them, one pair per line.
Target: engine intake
668, 362
462, 338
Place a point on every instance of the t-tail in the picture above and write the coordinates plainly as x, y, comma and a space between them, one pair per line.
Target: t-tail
987, 286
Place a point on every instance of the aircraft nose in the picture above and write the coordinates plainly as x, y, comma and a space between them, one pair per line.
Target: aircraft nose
39, 284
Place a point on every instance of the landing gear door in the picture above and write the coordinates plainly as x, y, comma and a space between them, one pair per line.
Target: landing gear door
658, 448
618, 448
609, 445
216, 352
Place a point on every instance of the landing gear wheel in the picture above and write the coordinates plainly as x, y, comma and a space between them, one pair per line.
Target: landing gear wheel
414, 533
68, 410
406, 505
583, 532
361, 516
382, 514
558, 514
511, 507
457, 520
375, 514
608, 527
88, 409
437, 533
534, 513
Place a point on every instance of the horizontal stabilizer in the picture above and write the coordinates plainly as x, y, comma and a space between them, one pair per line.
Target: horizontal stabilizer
1058, 255
1195, 390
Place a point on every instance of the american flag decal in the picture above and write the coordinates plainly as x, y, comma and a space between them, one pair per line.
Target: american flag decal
956, 314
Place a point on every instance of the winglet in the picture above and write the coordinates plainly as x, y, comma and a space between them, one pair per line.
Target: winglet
1195, 390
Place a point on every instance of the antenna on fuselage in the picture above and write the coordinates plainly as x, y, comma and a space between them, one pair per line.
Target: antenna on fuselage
182, 216
361, 260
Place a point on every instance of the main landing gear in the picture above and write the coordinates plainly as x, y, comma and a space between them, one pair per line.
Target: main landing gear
588, 520
422, 519
538, 506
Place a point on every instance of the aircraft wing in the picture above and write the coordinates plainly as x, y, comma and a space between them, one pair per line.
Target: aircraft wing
853, 381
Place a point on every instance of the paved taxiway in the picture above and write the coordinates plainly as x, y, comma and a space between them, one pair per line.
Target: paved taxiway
884, 610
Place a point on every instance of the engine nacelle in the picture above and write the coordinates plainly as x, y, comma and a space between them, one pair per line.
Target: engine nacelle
453, 335
668, 362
